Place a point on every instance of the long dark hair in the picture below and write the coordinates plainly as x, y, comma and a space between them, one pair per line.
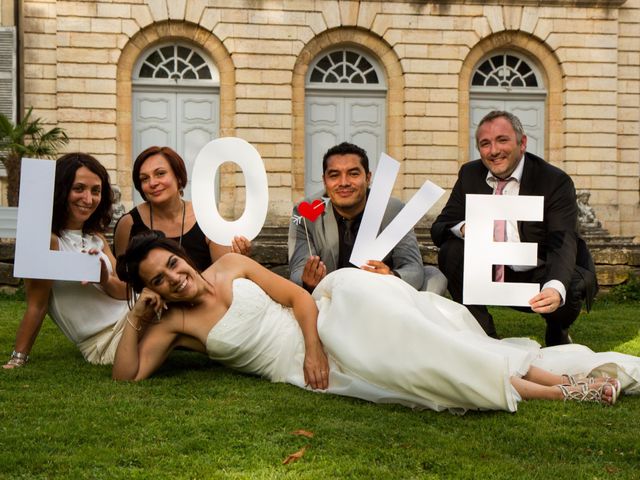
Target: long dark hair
128, 264
66, 167
175, 162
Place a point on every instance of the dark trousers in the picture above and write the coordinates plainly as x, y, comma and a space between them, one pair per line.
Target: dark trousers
451, 263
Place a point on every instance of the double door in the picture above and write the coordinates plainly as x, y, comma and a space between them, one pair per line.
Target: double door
331, 119
183, 120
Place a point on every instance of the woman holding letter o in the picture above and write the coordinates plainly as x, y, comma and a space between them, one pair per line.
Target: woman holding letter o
362, 335
90, 315
160, 176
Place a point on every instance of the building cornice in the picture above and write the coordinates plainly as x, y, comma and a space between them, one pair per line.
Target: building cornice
524, 3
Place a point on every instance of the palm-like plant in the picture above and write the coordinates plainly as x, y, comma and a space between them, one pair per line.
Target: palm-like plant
26, 138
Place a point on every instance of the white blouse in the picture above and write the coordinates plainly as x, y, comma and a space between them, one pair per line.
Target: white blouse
81, 311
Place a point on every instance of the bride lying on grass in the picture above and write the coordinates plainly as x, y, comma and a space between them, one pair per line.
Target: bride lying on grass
361, 335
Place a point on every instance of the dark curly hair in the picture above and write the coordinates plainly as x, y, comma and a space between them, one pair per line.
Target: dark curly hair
66, 167
175, 162
128, 264
346, 148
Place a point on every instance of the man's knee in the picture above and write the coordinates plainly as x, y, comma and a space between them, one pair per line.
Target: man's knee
434, 281
451, 256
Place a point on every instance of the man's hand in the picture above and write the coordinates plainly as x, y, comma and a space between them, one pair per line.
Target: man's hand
547, 301
377, 266
314, 271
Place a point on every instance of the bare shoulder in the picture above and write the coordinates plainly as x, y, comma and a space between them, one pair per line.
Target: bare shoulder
124, 222
231, 261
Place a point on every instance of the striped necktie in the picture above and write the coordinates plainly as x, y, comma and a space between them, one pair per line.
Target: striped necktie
500, 232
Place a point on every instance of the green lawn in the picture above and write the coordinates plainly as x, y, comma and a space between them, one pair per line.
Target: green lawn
63, 418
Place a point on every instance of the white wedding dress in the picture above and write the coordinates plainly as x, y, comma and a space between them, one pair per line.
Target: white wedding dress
387, 342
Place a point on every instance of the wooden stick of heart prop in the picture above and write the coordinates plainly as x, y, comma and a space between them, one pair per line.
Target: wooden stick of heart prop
306, 232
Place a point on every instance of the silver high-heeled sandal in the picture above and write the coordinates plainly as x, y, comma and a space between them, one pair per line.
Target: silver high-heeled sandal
577, 379
584, 392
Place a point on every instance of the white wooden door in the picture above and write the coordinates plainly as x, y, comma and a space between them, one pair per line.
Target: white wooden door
529, 111
333, 119
184, 121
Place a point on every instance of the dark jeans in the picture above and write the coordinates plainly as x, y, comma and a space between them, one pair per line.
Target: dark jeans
451, 263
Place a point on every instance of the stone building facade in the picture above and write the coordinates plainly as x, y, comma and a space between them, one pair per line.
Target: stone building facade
292, 76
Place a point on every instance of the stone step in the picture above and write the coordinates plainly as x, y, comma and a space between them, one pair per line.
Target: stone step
615, 257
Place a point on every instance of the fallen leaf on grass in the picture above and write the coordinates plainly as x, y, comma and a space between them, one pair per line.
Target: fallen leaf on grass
294, 457
303, 433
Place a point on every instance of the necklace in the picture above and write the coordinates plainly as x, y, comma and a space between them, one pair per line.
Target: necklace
77, 239
184, 210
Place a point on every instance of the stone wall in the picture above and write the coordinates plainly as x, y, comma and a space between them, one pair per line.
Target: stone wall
78, 60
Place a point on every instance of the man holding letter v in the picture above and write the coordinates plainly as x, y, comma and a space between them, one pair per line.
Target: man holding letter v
322, 236
564, 270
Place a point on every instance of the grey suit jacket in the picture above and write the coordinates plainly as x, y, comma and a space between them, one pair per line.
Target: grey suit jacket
323, 237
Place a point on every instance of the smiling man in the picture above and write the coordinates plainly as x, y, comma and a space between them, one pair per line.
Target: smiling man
565, 270
331, 236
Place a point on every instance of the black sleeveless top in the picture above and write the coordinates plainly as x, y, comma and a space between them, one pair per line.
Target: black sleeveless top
194, 241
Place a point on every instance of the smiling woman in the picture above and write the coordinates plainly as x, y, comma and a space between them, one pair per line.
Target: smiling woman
160, 176
91, 316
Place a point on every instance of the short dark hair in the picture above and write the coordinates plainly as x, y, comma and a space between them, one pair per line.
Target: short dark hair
511, 118
346, 148
128, 264
175, 162
66, 167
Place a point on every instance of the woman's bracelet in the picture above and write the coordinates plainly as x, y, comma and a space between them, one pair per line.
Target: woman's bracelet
138, 328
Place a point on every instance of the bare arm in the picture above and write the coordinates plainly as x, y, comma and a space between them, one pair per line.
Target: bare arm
38, 292
110, 283
122, 234
217, 251
239, 245
316, 365
144, 346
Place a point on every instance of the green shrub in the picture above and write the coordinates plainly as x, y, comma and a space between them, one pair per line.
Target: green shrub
626, 292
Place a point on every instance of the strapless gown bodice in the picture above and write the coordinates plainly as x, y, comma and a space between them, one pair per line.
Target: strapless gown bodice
388, 343
257, 335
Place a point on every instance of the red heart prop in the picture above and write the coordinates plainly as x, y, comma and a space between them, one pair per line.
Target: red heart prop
311, 210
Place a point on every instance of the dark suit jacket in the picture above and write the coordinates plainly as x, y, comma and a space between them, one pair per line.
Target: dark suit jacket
557, 235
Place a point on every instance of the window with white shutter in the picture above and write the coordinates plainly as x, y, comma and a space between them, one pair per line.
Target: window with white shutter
8, 72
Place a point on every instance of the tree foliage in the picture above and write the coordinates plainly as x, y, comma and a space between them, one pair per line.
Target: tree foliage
26, 138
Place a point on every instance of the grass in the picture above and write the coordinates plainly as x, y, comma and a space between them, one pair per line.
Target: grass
63, 418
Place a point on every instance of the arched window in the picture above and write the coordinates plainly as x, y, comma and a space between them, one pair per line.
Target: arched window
508, 80
505, 70
345, 100
344, 66
175, 64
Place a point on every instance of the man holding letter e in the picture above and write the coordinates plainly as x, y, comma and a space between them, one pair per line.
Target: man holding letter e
565, 270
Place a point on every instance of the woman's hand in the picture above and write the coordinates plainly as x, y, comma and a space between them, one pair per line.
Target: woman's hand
316, 367
104, 270
149, 306
241, 245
